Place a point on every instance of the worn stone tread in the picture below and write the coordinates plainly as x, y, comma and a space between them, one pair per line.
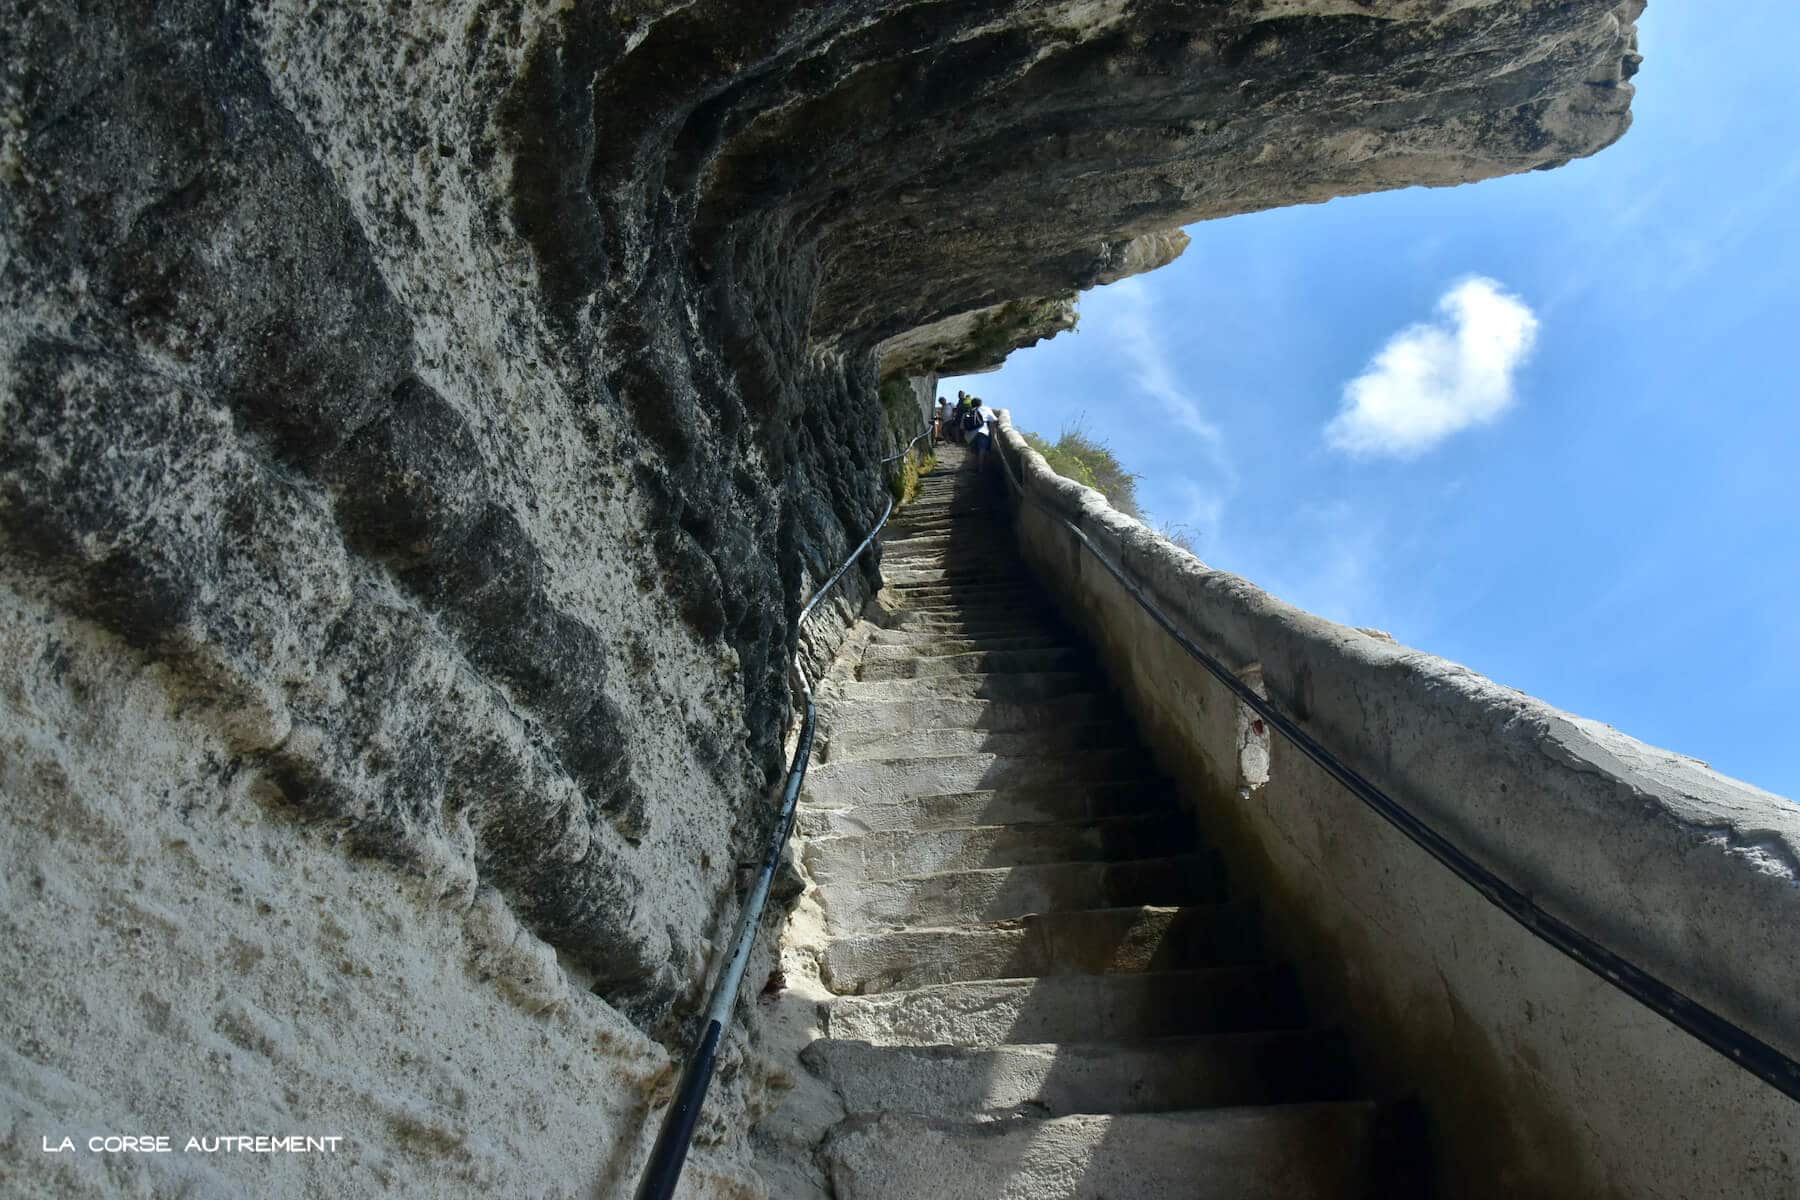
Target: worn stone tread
1002, 893
1063, 1008
949, 621
1090, 942
929, 641
1016, 687
1009, 806
1281, 1152
1047, 740
865, 720
1062, 658
926, 646
1055, 1079
870, 780
972, 585
896, 854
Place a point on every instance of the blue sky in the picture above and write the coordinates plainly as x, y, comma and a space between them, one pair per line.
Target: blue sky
1546, 426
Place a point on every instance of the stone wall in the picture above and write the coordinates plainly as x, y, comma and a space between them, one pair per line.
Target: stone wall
419, 428
1538, 1078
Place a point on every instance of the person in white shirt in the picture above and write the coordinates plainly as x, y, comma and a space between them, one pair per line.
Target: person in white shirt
982, 434
939, 420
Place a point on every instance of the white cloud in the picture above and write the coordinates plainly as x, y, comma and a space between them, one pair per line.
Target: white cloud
1437, 378
1131, 323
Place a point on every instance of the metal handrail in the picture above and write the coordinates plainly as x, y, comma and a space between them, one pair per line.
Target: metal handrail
907, 449
669, 1154
1737, 1044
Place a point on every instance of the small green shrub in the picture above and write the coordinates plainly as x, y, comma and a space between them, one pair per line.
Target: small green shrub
903, 480
1077, 455
1182, 535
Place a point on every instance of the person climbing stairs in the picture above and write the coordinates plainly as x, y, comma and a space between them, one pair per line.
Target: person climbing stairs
1042, 985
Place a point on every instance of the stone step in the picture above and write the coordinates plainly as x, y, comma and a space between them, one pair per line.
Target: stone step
940, 511
986, 620
914, 579
954, 606
946, 520
983, 624
909, 584
954, 549
842, 720
982, 662
950, 497
997, 563
902, 627
930, 641
913, 517
1073, 1008
963, 607
1008, 686
970, 514
897, 854
1107, 941
951, 547
874, 780
973, 585
949, 532
1281, 1152
994, 562
1002, 893
924, 645
956, 810
945, 533
1059, 1079
1045, 741
948, 551
960, 481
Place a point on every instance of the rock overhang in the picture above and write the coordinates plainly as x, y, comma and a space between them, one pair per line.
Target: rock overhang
462, 401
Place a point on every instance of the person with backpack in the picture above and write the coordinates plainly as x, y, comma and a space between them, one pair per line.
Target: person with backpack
979, 423
954, 424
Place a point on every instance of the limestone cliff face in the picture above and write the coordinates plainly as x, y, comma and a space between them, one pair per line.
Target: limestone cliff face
420, 425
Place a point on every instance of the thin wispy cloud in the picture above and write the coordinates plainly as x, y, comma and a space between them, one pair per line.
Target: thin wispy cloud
1727, 224
1439, 377
1126, 317
1200, 507
1328, 557
1131, 324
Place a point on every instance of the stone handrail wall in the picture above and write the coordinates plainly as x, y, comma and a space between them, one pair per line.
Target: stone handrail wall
1536, 1077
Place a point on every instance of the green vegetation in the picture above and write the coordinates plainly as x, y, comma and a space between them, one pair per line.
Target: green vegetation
1077, 455
900, 417
996, 333
1181, 535
899, 413
904, 481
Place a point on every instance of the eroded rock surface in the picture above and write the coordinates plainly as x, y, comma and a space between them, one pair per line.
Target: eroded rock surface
438, 414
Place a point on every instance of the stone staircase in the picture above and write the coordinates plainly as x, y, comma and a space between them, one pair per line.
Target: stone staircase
1043, 987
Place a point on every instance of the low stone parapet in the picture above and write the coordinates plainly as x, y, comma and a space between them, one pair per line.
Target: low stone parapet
1538, 1078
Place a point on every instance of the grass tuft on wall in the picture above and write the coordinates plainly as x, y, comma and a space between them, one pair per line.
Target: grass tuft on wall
1078, 455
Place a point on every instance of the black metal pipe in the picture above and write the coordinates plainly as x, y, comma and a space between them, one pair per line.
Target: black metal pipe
672, 1141
669, 1153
